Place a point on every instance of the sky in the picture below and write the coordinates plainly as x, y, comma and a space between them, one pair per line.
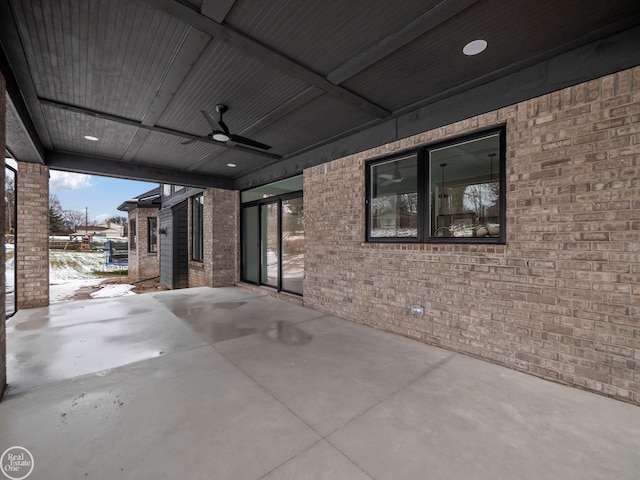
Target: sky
101, 195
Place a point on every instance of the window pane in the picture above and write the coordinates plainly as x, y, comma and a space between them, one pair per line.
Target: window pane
270, 254
133, 238
288, 185
10, 230
292, 245
152, 224
465, 189
197, 251
250, 240
393, 209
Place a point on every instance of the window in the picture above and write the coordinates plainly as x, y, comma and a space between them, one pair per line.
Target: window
197, 231
451, 192
152, 229
168, 189
10, 225
132, 235
394, 198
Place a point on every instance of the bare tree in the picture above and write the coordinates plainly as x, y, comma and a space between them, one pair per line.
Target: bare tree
117, 219
73, 218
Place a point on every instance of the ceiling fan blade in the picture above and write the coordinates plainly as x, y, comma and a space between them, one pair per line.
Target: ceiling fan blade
225, 129
215, 125
193, 140
249, 142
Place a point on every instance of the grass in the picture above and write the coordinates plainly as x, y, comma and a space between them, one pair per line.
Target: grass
115, 273
63, 262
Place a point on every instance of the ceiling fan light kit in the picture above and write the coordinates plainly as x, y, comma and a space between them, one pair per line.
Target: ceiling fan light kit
220, 137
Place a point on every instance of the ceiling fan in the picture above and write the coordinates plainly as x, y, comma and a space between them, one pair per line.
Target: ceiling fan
389, 178
220, 132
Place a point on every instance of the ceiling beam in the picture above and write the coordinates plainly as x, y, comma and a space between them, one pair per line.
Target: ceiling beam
19, 84
265, 54
19, 140
95, 165
135, 123
437, 15
591, 61
599, 36
217, 9
184, 59
186, 55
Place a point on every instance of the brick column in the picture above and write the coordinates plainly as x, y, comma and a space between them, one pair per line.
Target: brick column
3, 334
220, 266
225, 206
32, 244
142, 263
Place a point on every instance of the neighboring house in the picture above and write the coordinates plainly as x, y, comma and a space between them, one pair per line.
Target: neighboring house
108, 230
172, 235
143, 234
196, 226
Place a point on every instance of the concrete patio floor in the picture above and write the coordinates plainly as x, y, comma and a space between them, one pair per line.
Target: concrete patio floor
230, 383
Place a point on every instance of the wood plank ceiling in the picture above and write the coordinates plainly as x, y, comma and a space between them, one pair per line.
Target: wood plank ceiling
295, 74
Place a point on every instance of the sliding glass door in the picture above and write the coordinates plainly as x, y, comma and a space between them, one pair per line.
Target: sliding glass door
292, 245
250, 244
270, 244
273, 242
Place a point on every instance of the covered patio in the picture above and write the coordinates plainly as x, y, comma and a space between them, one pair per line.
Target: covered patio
230, 383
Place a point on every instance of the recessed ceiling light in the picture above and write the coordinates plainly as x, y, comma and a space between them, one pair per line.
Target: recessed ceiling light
231, 165
475, 47
93, 139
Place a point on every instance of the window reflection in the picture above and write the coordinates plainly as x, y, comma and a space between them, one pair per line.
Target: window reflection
394, 199
465, 189
292, 245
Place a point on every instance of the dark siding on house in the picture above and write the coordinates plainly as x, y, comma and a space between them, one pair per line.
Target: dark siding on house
166, 247
180, 245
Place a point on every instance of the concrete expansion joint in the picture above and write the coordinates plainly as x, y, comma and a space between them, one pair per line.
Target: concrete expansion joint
303, 451
428, 371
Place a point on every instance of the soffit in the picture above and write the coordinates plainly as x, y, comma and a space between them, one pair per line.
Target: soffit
296, 75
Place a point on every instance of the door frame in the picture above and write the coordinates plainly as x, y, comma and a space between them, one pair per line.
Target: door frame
276, 199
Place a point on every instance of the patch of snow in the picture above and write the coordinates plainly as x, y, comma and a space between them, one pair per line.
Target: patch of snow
73, 265
59, 292
109, 291
9, 274
70, 271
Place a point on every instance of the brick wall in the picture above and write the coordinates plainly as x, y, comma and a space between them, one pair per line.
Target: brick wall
561, 300
142, 263
220, 266
3, 333
32, 245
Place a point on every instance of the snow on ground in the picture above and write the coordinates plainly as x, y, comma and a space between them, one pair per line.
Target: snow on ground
59, 292
71, 271
109, 291
73, 265
8, 269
